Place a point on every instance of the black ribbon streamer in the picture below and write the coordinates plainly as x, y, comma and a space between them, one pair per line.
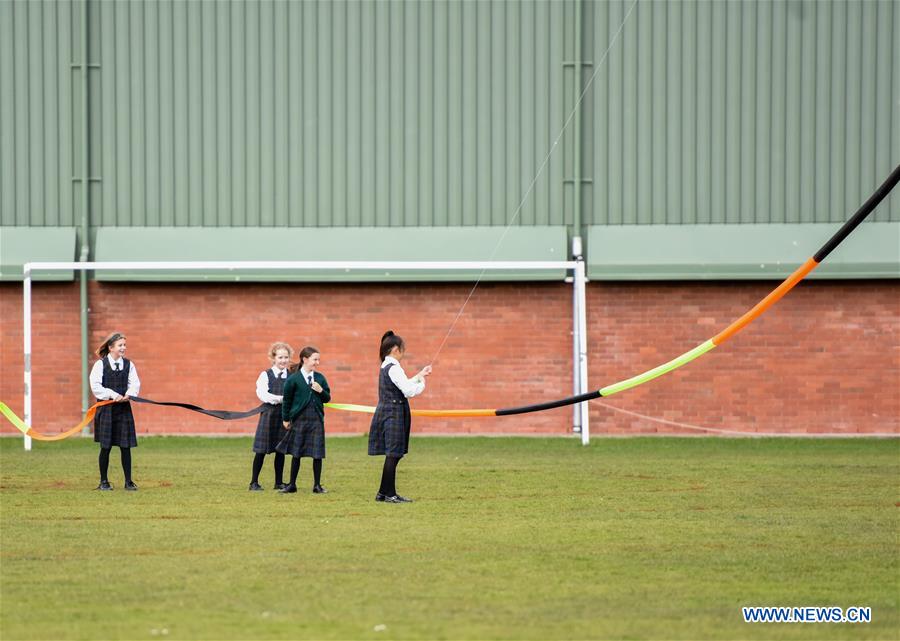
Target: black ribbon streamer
225, 415
539, 407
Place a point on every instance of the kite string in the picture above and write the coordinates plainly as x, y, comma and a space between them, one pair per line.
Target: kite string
665, 421
518, 209
716, 430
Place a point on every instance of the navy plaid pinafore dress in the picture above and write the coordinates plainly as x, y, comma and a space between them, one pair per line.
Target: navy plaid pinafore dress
269, 430
389, 432
307, 434
114, 424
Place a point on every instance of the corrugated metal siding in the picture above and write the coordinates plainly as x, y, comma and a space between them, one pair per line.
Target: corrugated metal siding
322, 113
741, 112
440, 113
36, 96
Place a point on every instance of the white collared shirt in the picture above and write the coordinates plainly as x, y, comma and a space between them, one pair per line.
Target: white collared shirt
409, 387
306, 375
104, 393
262, 386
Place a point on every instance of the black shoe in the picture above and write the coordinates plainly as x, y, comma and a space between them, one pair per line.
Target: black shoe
318, 489
105, 486
290, 488
396, 499
130, 486
279, 486
380, 497
255, 487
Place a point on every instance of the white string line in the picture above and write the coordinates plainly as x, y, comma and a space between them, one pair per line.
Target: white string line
537, 175
742, 432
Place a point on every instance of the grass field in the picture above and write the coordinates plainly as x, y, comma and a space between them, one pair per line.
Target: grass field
509, 538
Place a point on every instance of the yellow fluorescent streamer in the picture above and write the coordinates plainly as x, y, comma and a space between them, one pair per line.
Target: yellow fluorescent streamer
12, 418
649, 375
369, 409
38, 436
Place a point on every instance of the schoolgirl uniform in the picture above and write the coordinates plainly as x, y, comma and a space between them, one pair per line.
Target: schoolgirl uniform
114, 424
304, 409
269, 431
269, 389
391, 423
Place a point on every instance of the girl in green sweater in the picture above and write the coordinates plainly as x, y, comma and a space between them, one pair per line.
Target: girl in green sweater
302, 410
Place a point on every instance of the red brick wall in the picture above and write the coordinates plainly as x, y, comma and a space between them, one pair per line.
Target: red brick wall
825, 359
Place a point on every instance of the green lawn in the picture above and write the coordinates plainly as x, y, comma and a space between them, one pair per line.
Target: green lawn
509, 538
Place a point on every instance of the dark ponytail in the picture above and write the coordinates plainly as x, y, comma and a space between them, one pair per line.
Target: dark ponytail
306, 352
388, 342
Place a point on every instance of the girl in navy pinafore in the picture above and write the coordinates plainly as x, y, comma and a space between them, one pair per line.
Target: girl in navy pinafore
269, 390
114, 378
390, 428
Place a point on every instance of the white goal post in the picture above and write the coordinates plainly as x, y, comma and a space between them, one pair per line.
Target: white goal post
574, 268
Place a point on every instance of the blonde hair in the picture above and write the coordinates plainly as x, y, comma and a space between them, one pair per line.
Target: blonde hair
103, 350
277, 346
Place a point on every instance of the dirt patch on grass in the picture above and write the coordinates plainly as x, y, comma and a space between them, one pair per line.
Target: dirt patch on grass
690, 488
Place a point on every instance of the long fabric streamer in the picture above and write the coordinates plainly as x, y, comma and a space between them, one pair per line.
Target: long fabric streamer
38, 436
225, 415
760, 308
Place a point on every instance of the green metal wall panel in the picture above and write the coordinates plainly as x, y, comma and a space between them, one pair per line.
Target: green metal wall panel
21, 244
36, 96
329, 114
440, 113
737, 252
409, 244
740, 112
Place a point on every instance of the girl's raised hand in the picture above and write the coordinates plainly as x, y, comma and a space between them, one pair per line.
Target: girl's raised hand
316, 387
425, 371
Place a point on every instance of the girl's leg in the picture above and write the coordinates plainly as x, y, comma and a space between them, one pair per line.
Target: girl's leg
317, 472
258, 459
126, 462
104, 464
291, 487
388, 476
279, 468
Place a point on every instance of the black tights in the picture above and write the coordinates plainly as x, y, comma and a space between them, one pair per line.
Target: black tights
389, 476
317, 470
104, 462
279, 467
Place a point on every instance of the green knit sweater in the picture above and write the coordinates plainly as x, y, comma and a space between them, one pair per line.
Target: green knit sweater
297, 393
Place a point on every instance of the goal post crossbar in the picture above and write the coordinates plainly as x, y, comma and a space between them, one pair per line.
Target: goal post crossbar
574, 270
